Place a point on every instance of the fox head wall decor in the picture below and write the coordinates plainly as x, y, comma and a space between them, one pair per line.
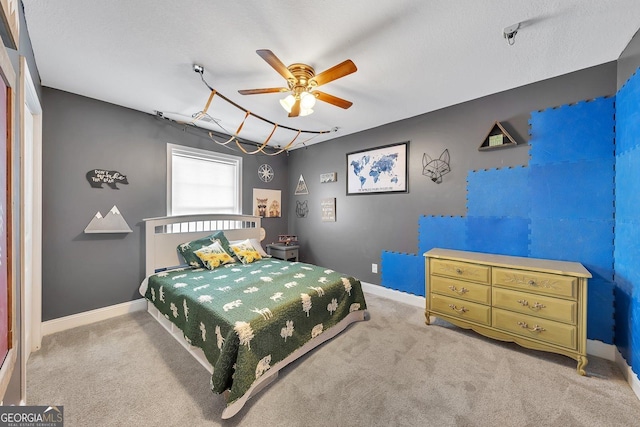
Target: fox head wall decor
435, 168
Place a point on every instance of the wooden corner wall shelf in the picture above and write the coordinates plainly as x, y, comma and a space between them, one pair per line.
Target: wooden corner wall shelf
498, 137
113, 222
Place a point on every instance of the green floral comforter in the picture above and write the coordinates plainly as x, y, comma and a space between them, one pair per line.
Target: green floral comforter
246, 318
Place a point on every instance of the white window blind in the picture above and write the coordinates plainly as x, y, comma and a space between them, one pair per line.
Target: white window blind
202, 181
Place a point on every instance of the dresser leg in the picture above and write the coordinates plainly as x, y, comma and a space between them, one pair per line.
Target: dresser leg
427, 318
582, 362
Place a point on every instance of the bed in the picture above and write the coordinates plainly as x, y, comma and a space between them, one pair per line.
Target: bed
243, 321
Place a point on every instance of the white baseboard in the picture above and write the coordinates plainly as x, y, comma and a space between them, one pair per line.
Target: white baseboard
68, 322
392, 294
600, 349
630, 376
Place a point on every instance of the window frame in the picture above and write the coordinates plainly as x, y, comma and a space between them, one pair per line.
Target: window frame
205, 155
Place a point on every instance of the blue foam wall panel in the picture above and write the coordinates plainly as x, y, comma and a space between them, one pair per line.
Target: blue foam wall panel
573, 133
441, 232
627, 247
627, 253
403, 272
499, 192
628, 185
498, 235
573, 190
588, 241
628, 115
600, 310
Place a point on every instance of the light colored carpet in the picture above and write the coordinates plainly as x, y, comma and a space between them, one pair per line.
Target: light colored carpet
391, 370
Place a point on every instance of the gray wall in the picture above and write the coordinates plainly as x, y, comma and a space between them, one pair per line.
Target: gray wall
629, 60
366, 225
81, 271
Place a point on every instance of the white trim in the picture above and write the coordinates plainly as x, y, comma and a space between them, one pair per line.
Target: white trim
80, 319
392, 294
629, 375
174, 150
600, 349
30, 255
594, 348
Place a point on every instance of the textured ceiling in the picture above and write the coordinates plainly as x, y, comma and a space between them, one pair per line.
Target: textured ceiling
413, 56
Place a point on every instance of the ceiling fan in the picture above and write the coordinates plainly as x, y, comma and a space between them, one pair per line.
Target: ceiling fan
302, 82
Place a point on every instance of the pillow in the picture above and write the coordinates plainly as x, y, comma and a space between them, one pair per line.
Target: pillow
246, 252
213, 256
187, 249
256, 245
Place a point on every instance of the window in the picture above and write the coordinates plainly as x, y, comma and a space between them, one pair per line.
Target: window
202, 181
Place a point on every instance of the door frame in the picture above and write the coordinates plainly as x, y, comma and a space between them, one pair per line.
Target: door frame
30, 104
8, 74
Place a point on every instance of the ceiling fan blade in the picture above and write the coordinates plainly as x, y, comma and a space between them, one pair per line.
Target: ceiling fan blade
342, 69
275, 63
295, 110
338, 102
265, 90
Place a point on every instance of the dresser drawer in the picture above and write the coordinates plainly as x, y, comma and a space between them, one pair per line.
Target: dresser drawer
551, 284
460, 289
536, 328
463, 309
461, 270
536, 305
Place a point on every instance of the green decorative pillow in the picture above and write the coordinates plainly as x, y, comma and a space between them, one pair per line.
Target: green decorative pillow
245, 252
213, 256
187, 249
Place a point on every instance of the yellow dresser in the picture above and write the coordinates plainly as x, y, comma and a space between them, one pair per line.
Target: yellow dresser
537, 303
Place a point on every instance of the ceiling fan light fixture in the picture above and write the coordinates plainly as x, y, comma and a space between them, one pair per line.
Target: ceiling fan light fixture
305, 112
287, 103
307, 100
302, 82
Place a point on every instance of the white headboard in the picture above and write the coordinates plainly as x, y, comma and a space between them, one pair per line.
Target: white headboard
164, 234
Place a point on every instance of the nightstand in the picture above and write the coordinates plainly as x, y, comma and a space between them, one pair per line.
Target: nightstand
283, 251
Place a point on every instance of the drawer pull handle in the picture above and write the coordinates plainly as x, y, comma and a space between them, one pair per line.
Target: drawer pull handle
536, 328
538, 306
459, 310
532, 282
458, 270
462, 290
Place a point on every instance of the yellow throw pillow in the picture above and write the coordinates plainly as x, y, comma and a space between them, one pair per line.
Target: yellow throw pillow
245, 252
213, 256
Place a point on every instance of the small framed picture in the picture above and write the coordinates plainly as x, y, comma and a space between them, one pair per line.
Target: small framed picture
328, 177
328, 209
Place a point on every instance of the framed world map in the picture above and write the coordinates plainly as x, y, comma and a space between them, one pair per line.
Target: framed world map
378, 170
